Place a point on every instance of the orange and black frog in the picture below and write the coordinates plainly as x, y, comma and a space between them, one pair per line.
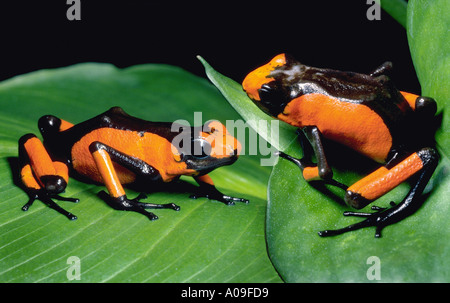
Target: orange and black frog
116, 149
365, 112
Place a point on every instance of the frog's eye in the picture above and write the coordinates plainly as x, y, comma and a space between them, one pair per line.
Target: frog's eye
273, 98
270, 91
200, 148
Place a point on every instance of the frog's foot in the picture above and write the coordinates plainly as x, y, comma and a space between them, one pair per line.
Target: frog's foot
125, 204
152, 205
381, 218
47, 198
218, 196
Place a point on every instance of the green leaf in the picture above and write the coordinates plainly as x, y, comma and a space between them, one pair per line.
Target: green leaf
429, 41
205, 241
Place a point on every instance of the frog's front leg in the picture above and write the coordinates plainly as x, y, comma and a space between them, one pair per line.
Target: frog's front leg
117, 199
208, 190
311, 140
43, 178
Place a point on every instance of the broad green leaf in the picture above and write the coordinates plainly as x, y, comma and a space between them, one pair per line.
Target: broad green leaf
429, 41
205, 241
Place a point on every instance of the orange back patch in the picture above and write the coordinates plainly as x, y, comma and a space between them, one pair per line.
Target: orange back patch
354, 125
150, 148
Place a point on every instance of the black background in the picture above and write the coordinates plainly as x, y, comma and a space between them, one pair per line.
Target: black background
233, 36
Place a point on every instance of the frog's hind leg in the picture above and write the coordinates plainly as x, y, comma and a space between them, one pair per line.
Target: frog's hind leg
378, 183
43, 178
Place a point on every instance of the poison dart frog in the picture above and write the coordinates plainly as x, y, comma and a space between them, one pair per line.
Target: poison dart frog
116, 149
364, 112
